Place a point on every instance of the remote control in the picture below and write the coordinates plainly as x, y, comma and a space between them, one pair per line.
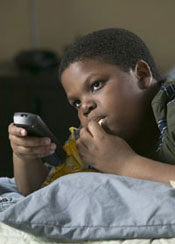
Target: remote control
35, 126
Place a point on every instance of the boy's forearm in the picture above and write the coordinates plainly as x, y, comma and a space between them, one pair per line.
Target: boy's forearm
29, 174
147, 169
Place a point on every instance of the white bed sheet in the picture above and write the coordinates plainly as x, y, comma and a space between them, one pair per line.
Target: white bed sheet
10, 235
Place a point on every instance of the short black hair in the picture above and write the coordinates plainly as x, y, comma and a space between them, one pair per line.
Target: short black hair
114, 46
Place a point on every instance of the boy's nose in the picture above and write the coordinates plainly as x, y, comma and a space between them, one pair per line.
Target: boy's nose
87, 107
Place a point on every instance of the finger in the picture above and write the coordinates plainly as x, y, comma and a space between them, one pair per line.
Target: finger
83, 151
95, 129
80, 144
36, 152
15, 130
85, 137
84, 132
29, 141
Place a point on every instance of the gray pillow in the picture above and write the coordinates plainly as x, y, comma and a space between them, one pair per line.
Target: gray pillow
93, 206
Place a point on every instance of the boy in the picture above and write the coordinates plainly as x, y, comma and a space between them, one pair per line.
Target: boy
110, 77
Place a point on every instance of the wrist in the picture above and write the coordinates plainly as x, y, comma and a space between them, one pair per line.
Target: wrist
129, 166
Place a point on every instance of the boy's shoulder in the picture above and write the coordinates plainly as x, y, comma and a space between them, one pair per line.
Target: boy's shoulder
167, 89
163, 106
165, 95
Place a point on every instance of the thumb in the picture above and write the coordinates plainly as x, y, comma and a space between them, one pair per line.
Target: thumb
95, 129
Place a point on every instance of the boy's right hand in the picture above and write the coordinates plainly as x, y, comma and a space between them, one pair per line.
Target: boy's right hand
29, 147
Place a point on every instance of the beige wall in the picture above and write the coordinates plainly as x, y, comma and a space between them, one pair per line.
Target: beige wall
61, 21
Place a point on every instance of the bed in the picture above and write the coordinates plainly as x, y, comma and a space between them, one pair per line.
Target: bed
91, 208
13, 236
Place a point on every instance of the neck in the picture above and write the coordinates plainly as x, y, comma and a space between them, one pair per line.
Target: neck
146, 139
145, 143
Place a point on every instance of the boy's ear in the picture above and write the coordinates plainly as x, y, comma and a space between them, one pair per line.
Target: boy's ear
144, 74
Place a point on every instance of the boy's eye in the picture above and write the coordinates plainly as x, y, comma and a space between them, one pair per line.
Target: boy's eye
97, 85
76, 104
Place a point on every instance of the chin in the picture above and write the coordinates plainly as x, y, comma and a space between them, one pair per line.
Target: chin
112, 131
118, 133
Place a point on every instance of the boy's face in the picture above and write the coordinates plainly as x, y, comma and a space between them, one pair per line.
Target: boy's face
103, 91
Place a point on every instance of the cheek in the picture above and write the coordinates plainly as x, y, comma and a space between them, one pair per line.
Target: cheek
112, 104
121, 115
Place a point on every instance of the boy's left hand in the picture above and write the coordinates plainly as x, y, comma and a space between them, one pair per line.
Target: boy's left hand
105, 152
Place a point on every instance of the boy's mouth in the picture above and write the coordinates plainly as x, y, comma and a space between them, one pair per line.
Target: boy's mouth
103, 124
100, 122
